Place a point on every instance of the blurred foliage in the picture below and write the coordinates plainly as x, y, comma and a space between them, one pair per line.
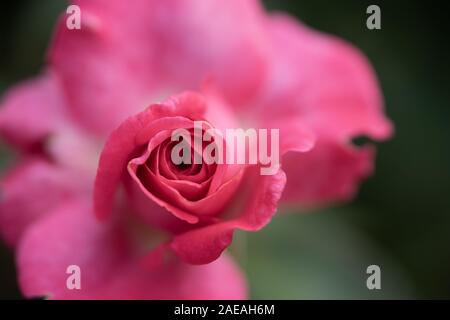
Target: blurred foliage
401, 218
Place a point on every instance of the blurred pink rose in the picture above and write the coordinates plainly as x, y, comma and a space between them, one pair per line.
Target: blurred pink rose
227, 63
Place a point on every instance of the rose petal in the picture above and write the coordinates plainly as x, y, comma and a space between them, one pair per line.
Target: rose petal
334, 90
190, 190
203, 245
336, 95
150, 212
218, 280
30, 191
330, 172
108, 265
69, 236
36, 105
161, 60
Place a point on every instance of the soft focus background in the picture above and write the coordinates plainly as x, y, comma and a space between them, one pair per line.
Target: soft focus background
401, 218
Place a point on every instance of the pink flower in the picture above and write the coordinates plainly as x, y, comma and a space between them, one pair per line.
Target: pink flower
203, 204
141, 229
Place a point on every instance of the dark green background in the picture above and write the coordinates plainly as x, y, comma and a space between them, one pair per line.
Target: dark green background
401, 218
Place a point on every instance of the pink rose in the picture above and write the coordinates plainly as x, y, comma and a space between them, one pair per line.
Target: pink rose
95, 186
200, 204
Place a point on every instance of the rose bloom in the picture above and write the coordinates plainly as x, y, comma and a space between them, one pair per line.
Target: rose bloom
94, 185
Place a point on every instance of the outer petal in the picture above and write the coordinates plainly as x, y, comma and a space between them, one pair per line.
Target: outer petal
205, 244
32, 190
218, 280
33, 117
127, 56
31, 111
330, 172
330, 87
325, 81
201, 38
106, 59
109, 265
69, 236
